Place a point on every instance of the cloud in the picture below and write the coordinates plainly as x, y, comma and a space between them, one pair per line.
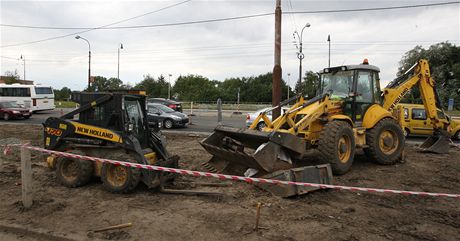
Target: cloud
216, 50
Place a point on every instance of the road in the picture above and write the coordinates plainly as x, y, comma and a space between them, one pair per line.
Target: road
202, 121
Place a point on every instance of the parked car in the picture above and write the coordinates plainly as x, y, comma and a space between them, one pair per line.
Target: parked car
11, 110
163, 114
250, 117
177, 106
414, 121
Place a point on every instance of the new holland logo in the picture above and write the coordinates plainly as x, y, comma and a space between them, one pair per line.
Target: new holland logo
96, 132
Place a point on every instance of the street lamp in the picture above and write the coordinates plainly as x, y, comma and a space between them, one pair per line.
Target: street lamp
119, 47
289, 75
89, 59
300, 55
24, 59
169, 87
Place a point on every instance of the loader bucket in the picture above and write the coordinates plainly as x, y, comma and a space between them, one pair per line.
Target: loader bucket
438, 143
236, 150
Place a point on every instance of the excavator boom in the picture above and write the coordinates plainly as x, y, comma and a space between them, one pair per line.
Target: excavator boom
419, 75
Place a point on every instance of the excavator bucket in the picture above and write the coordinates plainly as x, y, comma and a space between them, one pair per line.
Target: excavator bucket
438, 143
236, 150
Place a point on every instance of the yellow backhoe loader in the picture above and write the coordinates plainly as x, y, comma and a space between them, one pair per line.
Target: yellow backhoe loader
350, 112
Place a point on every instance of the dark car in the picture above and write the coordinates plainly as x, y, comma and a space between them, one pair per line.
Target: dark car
177, 106
11, 110
163, 114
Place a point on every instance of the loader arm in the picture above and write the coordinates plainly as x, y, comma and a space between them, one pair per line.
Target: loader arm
396, 90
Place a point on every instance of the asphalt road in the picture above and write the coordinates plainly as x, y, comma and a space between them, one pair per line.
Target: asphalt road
203, 121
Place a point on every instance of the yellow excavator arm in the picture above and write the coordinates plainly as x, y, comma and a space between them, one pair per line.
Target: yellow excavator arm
421, 76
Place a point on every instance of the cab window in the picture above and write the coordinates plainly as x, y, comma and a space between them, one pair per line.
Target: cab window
364, 87
418, 114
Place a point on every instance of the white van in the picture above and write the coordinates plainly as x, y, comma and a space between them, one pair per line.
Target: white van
32, 97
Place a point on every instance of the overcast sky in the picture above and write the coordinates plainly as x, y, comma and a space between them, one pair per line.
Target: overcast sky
217, 50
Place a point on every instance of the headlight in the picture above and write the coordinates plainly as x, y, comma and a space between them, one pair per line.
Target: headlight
176, 118
16, 112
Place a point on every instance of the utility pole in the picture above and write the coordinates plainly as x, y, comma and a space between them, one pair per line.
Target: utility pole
329, 40
277, 71
24, 59
119, 47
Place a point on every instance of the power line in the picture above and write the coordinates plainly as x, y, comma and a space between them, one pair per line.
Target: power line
221, 19
101, 27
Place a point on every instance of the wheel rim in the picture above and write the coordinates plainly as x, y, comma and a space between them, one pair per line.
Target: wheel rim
388, 142
69, 170
168, 124
117, 175
344, 148
406, 133
6, 116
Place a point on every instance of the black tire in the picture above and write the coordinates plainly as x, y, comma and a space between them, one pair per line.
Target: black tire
385, 142
261, 126
117, 178
72, 172
27, 117
168, 124
6, 116
336, 146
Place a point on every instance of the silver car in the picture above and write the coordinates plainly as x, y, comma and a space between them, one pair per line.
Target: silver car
250, 117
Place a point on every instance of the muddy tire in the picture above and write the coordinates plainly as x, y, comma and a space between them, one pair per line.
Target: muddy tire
385, 141
6, 116
336, 146
119, 179
72, 172
168, 123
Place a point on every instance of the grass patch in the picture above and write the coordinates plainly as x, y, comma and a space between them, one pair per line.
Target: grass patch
64, 104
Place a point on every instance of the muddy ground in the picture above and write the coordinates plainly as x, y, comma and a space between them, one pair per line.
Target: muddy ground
60, 213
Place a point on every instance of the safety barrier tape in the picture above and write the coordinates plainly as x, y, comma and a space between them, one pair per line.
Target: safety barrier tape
232, 177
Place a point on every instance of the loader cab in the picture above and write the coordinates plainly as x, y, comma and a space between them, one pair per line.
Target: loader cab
356, 86
121, 112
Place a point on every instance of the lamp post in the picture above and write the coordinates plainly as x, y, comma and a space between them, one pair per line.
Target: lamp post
89, 59
289, 75
24, 59
169, 87
300, 54
119, 47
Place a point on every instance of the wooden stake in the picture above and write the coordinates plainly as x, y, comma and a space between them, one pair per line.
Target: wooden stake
124, 225
259, 205
26, 177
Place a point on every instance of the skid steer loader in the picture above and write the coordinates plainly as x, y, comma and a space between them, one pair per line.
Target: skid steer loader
111, 125
351, 112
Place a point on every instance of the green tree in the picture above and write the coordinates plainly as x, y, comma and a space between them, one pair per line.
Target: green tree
12, 77
154, 88
103, 84
444, 59
62, 94
195, 88
309, 86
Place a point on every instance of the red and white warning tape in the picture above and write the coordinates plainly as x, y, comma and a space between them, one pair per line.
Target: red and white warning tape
232, 177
